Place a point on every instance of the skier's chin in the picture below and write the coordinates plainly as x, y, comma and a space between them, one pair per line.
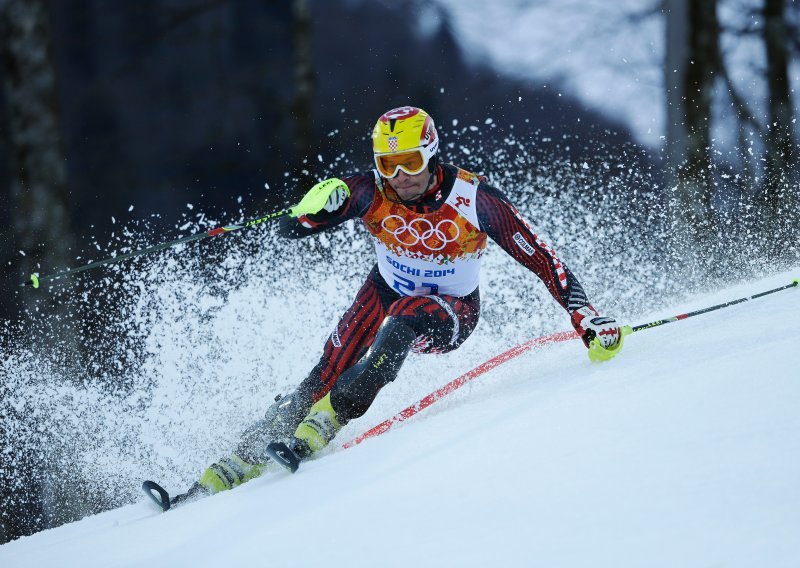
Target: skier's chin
409, 192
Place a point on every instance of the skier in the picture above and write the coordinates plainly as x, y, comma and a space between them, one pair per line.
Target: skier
430, 222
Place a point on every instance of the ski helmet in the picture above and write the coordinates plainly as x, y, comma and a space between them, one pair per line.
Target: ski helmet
405, 139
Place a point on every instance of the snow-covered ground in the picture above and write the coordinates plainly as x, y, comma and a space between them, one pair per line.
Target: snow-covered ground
683, 451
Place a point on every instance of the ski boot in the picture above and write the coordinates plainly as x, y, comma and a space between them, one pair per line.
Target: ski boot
250, 459
318, 428
279, 423
228, 473
312, 435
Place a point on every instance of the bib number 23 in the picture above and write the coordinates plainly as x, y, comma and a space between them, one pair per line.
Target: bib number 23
407, 287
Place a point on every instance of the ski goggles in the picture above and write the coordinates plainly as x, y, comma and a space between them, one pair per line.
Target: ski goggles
411, 162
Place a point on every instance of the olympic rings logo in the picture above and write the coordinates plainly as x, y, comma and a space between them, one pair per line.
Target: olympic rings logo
420, 230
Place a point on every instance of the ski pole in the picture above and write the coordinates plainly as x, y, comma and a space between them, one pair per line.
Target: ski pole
35, 279
312, 202
599, 353
630, 329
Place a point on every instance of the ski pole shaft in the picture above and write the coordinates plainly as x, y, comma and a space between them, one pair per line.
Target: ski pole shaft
630, 329
35, 279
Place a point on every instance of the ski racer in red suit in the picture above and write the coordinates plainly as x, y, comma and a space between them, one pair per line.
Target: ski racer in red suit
430, 222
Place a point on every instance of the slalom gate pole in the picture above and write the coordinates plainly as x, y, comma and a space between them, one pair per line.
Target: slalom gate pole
35, 279
498, 360
455, 384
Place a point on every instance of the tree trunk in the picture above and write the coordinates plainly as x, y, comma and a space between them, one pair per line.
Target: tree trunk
304, 89
677, 48
780, 177
40, 216
695, 184
691, 36
38, 174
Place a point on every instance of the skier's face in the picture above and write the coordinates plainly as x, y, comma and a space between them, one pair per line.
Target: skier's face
408, 187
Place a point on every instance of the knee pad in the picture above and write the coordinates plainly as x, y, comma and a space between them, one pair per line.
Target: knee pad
358, 386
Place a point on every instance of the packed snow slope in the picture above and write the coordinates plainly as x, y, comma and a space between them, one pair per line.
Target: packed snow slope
683, 451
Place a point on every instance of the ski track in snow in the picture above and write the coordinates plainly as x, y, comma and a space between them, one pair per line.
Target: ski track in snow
683, 451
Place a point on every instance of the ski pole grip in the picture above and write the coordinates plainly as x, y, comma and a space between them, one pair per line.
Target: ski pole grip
317, 196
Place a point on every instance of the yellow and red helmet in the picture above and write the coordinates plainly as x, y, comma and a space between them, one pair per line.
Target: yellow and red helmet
405, 139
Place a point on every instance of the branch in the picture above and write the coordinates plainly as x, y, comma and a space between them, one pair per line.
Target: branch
739, 102
181, 16
176, 19
647, 12
794, 36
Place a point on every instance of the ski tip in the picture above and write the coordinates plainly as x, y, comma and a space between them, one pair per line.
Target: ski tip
283, 456
157, 493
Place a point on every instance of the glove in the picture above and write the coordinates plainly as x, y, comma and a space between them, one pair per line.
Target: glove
329, 195
601, 334
336, 199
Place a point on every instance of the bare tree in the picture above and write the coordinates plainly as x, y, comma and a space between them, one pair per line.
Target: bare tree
676, 56
38, 184
40, 220
304, 73
304, 88
692, 63
775, 183
780, 190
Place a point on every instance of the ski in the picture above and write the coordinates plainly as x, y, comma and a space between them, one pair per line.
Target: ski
157, 493
283, 456
278, 452
161, 497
